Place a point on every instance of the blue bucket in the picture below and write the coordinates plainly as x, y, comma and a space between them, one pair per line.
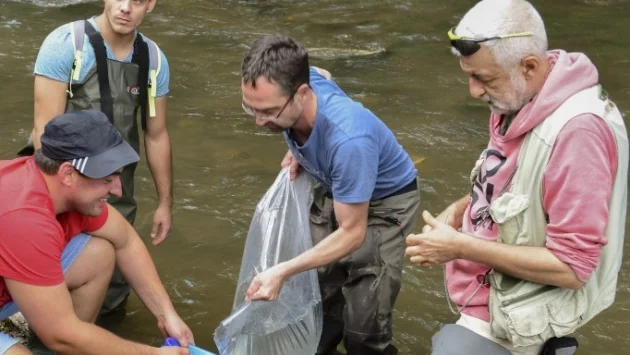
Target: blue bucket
193, 349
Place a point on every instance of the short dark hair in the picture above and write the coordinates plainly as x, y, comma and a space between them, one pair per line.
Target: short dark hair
279, 59
46, 165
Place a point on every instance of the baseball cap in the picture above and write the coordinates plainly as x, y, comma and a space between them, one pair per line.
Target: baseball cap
88, 141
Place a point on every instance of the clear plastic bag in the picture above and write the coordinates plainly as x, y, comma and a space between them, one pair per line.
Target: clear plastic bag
279, 231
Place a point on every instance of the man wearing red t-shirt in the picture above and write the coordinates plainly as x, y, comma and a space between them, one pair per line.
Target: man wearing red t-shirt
50, 268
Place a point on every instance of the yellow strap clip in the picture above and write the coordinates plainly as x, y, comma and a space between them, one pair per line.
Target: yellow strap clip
78, 63
152, 92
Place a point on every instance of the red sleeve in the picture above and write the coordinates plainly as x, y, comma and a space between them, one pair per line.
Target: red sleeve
74, 223
31, 243
576, 191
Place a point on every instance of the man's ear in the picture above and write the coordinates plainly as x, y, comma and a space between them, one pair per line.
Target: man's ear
530, 67
301, 92
67, 174
151, 5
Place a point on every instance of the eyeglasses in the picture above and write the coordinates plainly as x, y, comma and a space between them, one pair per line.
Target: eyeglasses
468, 46
252, 112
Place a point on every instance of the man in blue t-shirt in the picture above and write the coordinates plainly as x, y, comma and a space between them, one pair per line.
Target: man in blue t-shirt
365, 202
105, 63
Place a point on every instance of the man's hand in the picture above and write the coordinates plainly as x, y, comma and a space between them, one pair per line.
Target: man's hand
173, 350
157, 145
453, 215
267, 285
162, 223
445, 217
290, 162
173, 326
438, 245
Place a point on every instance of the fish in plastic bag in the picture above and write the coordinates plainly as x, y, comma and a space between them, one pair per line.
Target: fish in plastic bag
279, 231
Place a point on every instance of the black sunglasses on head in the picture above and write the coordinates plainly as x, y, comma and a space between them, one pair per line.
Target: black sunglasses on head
468, 46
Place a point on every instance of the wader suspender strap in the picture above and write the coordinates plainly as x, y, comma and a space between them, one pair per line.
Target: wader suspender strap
107, 101
146, 56
141, 58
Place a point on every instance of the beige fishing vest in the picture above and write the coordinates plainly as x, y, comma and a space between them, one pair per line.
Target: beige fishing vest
527, 313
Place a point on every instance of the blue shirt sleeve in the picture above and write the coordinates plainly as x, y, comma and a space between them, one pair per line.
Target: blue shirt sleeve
354, 170
56, 55
163, 77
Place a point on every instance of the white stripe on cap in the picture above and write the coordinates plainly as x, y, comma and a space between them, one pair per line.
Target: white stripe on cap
83, 165
79, 164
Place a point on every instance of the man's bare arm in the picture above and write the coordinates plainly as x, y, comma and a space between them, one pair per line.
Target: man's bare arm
50, 101
49, 312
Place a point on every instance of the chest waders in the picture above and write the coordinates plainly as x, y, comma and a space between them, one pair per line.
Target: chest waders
117, 89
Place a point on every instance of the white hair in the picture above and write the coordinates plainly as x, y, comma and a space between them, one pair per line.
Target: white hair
490, 18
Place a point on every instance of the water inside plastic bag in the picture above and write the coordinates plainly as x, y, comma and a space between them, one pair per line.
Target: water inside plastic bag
279, 231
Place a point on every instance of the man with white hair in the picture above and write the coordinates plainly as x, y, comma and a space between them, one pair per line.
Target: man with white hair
533, 252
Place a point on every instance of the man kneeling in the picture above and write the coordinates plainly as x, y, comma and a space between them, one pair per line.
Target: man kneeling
51, 269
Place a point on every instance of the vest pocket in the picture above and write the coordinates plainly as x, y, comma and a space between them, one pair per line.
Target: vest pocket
530, 322
566, 311
507, 212
542, 313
